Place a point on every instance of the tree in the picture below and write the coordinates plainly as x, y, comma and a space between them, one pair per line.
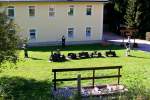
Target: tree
145, 16
8, 39
120, 8
132, 14
115, 14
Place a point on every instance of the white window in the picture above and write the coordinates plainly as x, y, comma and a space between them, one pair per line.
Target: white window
88, 31
51, 11
11, 11
71, 10
70, 32
89, 10
12, 31
31, 11
32, 34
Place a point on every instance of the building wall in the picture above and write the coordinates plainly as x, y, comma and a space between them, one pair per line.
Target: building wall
51, 29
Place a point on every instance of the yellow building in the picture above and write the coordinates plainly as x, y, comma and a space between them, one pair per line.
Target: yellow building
44, 22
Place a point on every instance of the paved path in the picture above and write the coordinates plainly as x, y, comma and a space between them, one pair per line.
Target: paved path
113, 38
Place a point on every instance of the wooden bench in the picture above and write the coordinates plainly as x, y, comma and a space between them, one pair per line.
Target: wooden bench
93, 69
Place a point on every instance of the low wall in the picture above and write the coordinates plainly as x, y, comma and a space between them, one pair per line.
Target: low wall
55, 43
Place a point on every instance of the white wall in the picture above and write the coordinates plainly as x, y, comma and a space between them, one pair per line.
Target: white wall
52, 28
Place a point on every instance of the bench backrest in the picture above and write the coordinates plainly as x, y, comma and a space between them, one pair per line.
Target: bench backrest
55, 71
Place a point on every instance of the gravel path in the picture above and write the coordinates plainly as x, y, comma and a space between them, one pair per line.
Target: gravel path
113, 38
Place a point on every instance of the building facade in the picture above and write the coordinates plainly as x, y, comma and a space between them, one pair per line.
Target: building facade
45, 22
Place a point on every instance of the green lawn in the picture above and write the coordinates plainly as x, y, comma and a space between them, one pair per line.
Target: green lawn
33, 76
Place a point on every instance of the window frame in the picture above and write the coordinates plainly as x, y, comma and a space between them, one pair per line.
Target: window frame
71, 10
35, 37
88, 32
11, 8
70, 29
30, 8
52, 11
12, 31
89, 7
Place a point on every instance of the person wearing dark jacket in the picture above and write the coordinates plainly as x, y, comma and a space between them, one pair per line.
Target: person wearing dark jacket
63, 41
25, 50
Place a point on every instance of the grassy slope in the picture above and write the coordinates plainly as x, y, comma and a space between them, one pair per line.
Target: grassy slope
135, 68
38, 67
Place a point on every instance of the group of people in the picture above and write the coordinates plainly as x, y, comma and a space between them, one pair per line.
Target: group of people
63, 41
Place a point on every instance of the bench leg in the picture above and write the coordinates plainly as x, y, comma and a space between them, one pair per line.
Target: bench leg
55, 81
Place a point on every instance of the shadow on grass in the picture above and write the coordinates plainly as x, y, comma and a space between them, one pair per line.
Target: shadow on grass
89, 47
35, 58
17, 88
139, 57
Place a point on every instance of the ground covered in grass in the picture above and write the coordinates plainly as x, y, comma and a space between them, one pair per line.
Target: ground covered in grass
33, 77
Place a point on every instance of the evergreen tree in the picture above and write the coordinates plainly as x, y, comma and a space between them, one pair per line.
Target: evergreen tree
145, 16
8, 40
132, 13
120, 9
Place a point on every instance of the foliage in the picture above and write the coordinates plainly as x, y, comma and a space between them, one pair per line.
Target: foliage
8, 39
120, 7
137, 91
145, 17
132, 14
115, 12
17, 88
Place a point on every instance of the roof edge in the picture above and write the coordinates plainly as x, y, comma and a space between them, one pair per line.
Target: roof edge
104, 1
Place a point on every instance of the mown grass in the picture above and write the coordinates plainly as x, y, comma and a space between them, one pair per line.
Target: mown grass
32, 77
